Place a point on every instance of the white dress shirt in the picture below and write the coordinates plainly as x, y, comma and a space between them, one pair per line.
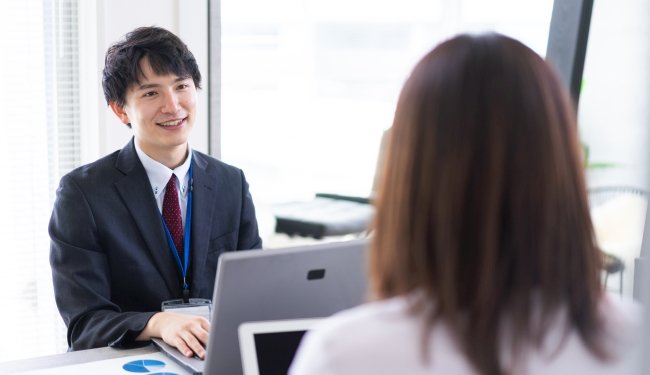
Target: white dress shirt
384, 338
159, 175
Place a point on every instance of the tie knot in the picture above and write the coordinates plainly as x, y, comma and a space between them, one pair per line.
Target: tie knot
171, 184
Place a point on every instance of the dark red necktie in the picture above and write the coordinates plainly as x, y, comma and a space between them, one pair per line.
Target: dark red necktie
172, 215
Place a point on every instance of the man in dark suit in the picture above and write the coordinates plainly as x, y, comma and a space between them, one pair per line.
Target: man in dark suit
146, 224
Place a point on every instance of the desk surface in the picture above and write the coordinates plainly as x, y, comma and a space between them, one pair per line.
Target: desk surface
71, 358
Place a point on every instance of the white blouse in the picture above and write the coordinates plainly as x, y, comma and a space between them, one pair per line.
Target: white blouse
383, 338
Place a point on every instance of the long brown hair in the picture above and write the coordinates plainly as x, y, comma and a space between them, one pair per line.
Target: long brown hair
482, 201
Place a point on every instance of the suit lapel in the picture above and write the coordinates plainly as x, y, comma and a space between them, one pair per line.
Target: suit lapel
135, 190
203, 205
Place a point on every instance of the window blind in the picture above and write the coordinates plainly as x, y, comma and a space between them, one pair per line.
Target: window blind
40, 106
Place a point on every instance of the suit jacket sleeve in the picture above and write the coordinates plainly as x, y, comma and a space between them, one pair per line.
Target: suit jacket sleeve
81, 276
249, 237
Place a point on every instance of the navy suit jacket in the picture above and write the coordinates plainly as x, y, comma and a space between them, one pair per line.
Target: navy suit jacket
111, 263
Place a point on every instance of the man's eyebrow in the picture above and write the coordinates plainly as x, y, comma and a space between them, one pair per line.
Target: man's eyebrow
146, 86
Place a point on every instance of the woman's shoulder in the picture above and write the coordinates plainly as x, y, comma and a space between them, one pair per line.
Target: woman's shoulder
353, 340
622, 320
382, 337
624, 304
621, 323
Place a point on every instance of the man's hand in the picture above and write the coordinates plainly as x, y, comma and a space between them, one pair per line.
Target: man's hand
188, 333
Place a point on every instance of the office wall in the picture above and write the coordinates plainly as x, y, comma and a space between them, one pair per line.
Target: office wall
113, 19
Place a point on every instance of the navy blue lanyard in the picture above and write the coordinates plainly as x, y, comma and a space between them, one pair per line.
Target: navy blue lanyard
186, 237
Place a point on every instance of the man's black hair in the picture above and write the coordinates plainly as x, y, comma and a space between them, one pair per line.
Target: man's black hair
167, 54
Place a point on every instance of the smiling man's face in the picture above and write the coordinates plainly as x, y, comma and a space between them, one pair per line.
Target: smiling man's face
161, 110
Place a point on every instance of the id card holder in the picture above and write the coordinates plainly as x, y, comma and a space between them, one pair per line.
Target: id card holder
194, 306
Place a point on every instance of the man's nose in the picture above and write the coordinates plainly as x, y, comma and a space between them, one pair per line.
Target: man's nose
171, 103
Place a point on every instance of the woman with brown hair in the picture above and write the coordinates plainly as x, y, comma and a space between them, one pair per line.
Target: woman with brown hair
483, 258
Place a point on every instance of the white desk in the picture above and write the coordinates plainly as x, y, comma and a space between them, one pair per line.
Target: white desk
71, 358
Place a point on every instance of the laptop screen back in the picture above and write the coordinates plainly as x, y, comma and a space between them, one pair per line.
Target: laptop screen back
312, 281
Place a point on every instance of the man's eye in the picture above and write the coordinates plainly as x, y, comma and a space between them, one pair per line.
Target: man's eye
149, 94
183, 86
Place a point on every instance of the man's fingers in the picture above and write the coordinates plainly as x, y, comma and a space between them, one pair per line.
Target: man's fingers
189, 334
205, 324
193, 344
201, 333
183, 348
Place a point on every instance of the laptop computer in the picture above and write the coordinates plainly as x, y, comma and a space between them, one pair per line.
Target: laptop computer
268, 348
311, 281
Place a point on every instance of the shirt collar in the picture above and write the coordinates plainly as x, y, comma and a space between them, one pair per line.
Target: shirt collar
159, 174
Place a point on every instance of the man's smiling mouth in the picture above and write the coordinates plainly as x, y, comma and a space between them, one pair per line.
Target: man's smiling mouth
171, 123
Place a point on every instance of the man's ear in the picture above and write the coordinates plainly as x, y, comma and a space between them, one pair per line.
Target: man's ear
119, 112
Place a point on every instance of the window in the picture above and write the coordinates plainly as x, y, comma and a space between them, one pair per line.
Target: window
40, 144
308, 87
